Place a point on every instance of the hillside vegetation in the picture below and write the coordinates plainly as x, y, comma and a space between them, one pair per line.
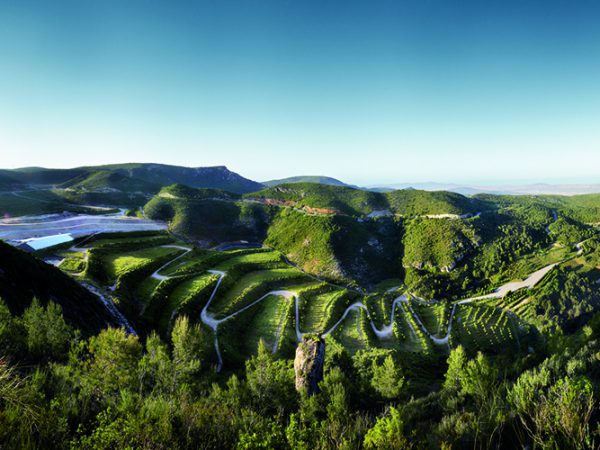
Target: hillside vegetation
332, 246
331, 231
351, 201
437, 243
208, 215
7, 182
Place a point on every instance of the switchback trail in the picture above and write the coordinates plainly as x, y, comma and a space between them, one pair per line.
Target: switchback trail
386, 332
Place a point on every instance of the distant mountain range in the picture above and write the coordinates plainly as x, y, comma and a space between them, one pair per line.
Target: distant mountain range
148, 179
523, 189
144, 178
464, 189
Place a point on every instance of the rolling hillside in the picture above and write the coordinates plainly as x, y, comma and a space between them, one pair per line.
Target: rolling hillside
307, 179
7, 181
111, 180
145, 177
355, 202
323, 241
122, 185
218, 177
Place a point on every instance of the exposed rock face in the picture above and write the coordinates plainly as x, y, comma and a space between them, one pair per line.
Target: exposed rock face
308, 365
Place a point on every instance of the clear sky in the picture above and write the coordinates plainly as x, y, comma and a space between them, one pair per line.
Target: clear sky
367, 91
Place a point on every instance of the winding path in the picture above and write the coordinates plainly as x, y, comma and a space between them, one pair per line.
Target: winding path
156, 275
385, 332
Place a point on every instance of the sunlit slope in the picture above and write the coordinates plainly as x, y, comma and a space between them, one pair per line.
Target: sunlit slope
332, 246
352, 201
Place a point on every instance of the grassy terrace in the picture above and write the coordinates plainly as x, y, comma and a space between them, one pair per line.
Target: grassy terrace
124, 266
434, 317
316, 307
485, 328
240, 335
251, 287
116, 265
351, 333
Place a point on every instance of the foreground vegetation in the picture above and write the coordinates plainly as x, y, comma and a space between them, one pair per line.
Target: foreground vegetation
118, 391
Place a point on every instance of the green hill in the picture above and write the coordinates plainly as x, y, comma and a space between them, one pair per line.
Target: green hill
208, 215
338, 247
115, 180
218, 177
46, 177
307, 179
333, 246
335, 198
108, 188
7, 181
140, 175
122, 185
412, 202
583, 208
354, 201
437, 244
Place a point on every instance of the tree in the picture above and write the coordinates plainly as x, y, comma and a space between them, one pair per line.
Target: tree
114, 357
155, 368
554, 415
304, 430
19, 413
456, 365
48, 335
11, 333
188, 349
388, 433
270, 381
387, 378
338, 430
478, 377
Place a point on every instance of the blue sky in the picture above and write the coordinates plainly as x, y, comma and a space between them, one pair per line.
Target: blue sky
367, 91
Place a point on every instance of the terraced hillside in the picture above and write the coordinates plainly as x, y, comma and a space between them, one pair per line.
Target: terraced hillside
433, 241
243, 295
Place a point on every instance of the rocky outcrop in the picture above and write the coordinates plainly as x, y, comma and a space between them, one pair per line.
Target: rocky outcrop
308, 365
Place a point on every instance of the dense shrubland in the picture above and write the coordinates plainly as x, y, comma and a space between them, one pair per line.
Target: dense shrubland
113, 390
